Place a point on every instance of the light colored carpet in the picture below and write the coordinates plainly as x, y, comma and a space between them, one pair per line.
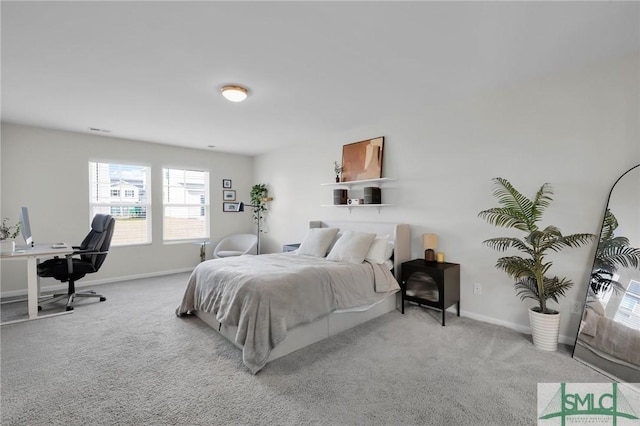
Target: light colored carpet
130, 360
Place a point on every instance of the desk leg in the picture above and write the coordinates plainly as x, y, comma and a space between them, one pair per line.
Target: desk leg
32, 286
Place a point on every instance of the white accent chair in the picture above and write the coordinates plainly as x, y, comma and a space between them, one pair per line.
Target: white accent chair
236, 245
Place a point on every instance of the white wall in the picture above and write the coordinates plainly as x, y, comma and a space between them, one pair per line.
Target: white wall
48, 172
579, 131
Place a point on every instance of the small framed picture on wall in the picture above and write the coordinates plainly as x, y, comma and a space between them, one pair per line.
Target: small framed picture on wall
230, 207
229, 195
226, 183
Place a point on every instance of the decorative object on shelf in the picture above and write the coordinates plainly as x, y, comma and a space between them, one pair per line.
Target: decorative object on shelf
362, 160
521, 213
440, 257
229, 195
337, 169
355, 201
356, 184
429, 244
339, 196
372, 195
226, 183
7, 234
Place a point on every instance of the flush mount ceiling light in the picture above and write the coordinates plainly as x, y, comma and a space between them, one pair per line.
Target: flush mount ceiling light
234, 93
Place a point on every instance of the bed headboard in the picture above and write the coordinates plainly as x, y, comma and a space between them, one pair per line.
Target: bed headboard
400, 233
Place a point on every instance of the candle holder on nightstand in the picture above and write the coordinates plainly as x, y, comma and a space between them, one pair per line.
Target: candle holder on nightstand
429, 244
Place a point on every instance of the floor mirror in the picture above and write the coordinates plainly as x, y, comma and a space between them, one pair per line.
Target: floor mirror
609, 334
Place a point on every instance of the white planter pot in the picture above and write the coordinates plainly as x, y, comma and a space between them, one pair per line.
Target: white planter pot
7, 246
545, 329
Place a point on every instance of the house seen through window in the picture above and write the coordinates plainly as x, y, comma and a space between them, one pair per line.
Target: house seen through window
123, 191
185, 204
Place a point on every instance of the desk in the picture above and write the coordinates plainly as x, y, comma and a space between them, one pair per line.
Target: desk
31, 255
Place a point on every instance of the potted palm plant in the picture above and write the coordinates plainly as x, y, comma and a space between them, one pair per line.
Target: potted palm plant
531, 271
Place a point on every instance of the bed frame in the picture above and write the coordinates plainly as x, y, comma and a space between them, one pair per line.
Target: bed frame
336, 322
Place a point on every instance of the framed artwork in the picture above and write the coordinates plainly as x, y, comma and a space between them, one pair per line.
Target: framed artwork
362, 160
226, 183
229, 195
230, 207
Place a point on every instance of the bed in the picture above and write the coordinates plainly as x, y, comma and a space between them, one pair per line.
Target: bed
273, 304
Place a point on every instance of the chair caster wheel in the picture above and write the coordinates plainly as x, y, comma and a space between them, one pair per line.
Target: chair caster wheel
69, 308
102, 299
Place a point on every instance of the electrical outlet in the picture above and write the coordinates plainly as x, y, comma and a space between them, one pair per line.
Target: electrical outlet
477, 289
576, 308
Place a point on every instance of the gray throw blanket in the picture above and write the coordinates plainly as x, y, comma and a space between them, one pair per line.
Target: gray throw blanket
266, 295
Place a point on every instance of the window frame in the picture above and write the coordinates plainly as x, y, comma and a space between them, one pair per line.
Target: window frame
146, 204
204, 208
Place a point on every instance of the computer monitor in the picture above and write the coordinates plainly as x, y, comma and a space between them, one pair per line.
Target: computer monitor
25, 226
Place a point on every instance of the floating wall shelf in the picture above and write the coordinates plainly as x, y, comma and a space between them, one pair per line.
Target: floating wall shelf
357, 206
357, 183
364, 182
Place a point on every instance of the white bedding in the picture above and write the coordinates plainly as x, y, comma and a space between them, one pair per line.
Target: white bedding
266, 295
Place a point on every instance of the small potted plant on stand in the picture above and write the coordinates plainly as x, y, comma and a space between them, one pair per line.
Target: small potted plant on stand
259, 196
530, 272
7, 234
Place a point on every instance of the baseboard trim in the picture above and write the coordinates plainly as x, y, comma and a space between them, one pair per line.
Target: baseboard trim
92, 283
517, 327
89, 283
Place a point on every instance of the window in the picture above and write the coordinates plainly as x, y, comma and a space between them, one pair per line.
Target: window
629, 309
107, 182
186, 204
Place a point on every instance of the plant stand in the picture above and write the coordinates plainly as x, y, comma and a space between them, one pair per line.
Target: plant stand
545, 329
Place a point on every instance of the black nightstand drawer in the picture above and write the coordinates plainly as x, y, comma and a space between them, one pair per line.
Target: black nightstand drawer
432, 284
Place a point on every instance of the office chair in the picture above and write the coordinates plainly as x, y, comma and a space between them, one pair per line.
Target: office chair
92, 252
236, 245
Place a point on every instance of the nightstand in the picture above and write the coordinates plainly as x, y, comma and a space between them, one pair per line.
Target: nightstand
432, 284
290, 247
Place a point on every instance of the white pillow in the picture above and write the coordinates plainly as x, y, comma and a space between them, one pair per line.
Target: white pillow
380, 251
317, 241
352, 247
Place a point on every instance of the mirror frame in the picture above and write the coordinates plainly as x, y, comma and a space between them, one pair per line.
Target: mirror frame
633, 376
